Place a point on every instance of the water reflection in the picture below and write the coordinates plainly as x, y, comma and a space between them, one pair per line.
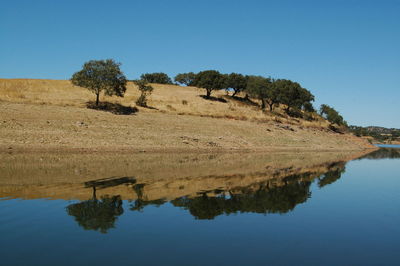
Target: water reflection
337, 169
274, 200
251, 208
99, 215
273, 196
206, 186
383, 153
141, 202
279, 194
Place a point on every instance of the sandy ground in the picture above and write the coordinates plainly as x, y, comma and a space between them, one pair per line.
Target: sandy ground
48, 127
52, 115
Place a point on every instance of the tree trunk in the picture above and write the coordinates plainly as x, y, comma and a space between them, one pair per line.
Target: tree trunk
263, 104
271, 107
234, 93
94, 193
208, 93
97, 98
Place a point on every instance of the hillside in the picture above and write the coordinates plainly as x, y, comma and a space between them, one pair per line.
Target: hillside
377, 134
52, 114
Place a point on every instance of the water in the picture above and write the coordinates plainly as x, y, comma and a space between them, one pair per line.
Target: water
388, 146
251, 209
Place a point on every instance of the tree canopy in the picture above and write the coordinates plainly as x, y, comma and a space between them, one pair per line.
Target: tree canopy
101, 76
293, 95
333, 116
157, 77
210, 80
237, 82
185, 78
257, 87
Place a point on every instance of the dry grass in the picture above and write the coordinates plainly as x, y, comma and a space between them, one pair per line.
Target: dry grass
52, 114
165, 98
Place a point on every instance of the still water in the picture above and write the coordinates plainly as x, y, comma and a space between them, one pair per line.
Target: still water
251, 209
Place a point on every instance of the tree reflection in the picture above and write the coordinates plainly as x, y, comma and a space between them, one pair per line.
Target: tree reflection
141, 203
279, 193
383, 153
99, 214
333, 175
274, 200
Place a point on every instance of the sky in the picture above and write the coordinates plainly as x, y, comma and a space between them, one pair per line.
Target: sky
347, 53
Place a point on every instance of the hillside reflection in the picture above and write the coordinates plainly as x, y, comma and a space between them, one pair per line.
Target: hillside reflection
273, 196
278, 195
104, 187
274, 200
383, 153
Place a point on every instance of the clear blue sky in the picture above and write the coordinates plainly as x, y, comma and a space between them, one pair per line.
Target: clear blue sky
346, 52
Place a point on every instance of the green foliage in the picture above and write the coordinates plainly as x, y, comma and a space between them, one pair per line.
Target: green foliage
293, 95
185, 78
258, 87
145, 90
308, 107
280, 91
378, 133
101, 76
210, 80
274, 95
158, 77
333, 116
237, 82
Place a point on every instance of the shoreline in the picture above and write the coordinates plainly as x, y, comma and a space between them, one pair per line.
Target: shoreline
126, 150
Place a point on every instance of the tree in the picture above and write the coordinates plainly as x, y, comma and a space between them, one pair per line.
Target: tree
101, 75
237, 82
145, 90
185, 78
257, 87
308, 107
333, 116
158, 77
210, 80
293, 95
274, 94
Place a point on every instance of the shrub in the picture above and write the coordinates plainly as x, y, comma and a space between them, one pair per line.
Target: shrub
145, 90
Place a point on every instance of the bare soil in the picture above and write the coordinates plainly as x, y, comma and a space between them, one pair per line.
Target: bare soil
50, 115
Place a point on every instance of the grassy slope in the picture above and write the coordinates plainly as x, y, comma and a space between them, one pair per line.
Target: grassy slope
47, 114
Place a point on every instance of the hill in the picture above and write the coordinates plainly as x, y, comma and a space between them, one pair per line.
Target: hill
377, 134
52, 114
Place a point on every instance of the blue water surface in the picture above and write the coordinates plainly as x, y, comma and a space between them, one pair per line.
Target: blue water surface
351, 221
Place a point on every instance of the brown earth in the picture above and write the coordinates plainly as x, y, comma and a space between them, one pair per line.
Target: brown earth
51, 115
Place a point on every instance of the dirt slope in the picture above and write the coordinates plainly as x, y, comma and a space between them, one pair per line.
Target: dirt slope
48, 115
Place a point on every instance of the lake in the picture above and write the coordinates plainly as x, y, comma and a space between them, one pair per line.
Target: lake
197, 209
